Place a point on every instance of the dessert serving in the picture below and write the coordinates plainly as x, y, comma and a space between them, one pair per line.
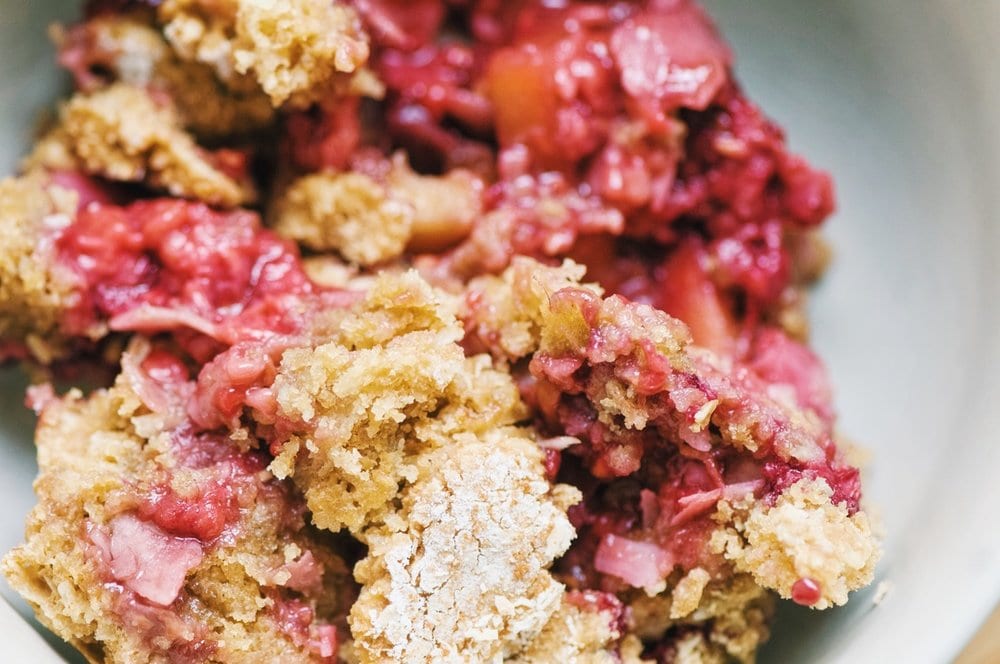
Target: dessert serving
397, 331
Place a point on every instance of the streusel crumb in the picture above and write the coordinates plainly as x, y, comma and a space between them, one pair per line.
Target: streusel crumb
686, 595
299, 51
517, 303
390, 382
147, 545
444, 206
346, 212
33, 294
122, 133
803, 537
113, 48
459, 572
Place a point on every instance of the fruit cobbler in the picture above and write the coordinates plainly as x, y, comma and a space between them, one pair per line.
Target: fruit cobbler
422, 330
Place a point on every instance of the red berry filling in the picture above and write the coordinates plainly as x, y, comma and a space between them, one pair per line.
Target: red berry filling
177, 265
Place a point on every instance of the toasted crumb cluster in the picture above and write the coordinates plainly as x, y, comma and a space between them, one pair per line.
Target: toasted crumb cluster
511, 310
130, 50
581, 634
391, 383
124, 584
346, 212
299, 51
33, 294
802, 537
445, 207
729, 622
459, 571
122, 133
374, 218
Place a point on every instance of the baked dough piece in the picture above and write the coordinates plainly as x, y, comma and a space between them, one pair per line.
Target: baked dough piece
122, 133
459, 571
298, 51
33, 295
128, 49
152, 543
764, 480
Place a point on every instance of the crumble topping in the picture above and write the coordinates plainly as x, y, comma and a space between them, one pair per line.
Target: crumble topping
803, 538
127, 49
730, 621
517, 304
390, 383
346, 212
298, 51
373, 217
686, 595
201, 574
32, 295
583, 634
459, 571
517, 462
444, 207
122, 133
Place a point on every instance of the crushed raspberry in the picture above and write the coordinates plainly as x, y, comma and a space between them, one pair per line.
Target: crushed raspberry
235, 378
553, 459
780, 360
173, 265
843, 479
228, 481
569, 94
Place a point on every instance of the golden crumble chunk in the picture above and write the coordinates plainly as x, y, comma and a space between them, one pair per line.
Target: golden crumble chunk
371, 219
33, 293
108, 576
298, 51
391, 382
459, 571
803, 536
579, 636
518, 303
346, 212
134, 52
686, 595
444, 206
730, 621
122, 133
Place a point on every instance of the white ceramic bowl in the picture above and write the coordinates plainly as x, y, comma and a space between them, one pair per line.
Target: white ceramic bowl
899, 99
